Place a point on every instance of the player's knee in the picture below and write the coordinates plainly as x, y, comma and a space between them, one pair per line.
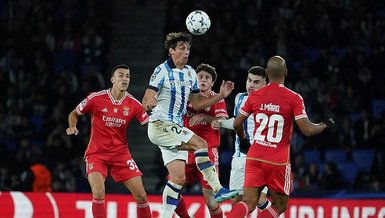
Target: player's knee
202, 143
141, 197
180, 180
98, 193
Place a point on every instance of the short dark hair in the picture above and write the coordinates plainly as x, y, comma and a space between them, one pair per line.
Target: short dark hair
209, 69
117, 67
173, 38
258, 71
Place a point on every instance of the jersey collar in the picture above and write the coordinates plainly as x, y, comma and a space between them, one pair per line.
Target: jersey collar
171, 63
276, 84
115, 102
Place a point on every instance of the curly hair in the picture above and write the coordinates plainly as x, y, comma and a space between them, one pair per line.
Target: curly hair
173, 38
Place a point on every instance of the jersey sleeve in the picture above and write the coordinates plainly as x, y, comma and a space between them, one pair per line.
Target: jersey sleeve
299, 107
140, 115
86, 105
220, 109
247, 108
157, 79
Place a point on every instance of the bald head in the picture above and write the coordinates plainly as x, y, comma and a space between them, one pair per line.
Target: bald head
276, 68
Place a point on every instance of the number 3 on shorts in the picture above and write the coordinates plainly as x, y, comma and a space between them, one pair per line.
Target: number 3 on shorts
132, 165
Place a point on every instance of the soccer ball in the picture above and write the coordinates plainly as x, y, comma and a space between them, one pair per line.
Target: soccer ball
198, 22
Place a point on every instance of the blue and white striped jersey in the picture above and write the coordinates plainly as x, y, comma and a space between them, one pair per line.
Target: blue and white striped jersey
248, 125
173, 87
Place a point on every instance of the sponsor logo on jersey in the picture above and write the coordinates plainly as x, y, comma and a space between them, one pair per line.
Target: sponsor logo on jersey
266, 144
105, 110
180, 83
113, 121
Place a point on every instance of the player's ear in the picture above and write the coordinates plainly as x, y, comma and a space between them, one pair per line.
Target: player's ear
171, 51
112, 79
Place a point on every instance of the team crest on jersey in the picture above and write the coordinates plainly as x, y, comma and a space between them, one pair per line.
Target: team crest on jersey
115, 110
189, 74
126, 109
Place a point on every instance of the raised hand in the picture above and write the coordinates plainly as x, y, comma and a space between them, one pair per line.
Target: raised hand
226, 88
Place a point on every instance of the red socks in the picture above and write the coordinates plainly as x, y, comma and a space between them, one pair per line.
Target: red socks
98, 208
143, 210
181, 209
239, 209
268, 213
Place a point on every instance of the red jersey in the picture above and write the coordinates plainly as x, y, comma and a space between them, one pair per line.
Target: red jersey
109, 120
204, 129
274, 107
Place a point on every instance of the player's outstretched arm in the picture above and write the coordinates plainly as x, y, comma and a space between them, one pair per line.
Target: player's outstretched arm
227, 124
201, 103
199, 118
309, 128
73, 118
149, 101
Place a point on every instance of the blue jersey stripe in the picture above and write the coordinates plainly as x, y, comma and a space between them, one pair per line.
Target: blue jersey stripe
239, 103
183, 100
173, 93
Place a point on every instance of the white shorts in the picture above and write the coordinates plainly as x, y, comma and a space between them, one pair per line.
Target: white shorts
168, 136
237, 174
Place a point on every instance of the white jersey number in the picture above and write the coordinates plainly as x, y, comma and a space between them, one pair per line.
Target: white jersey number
132, 165
274, 127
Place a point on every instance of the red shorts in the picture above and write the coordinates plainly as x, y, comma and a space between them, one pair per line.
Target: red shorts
192, 172
121, 166
277, 178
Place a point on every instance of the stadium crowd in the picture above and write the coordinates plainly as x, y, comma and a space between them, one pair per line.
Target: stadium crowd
334, 49
49, 51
